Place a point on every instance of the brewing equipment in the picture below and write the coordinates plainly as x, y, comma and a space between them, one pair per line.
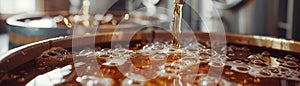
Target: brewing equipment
134, 46
23, 57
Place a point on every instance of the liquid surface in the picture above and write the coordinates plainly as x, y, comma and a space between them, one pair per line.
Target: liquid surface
158, 64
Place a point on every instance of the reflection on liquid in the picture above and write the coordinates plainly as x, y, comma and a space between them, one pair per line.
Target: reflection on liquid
51, 78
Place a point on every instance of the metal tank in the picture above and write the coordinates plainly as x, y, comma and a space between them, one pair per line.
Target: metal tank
258, 17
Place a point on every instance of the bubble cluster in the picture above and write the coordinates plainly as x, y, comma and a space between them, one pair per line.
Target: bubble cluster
260, 65
158, 63
170, 62
56, 56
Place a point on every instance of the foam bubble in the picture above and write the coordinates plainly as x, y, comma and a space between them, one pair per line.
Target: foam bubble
134, 80
189, 61
95, 81
290, 58
207, 53
172, 67
290, 64
122, 51
265, 72
85, 52
284, 70
179, 61
160, 56
252, 57
243, 68
273, 69
167, 73
194, 47
155, 46
238, 62
115, 62
257, 63
216, 64
210, 81
281, 60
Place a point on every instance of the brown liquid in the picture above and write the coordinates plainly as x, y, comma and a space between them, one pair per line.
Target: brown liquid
176, 25
246, 65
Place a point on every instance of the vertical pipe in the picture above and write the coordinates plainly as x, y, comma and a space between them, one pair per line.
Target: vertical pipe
290, 14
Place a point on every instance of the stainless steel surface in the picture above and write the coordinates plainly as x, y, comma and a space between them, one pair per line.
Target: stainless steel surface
21, 32
19, 27
289, 23
4, 43
258, 17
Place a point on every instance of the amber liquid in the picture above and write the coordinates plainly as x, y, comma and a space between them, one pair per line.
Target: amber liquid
269, 67
176, 25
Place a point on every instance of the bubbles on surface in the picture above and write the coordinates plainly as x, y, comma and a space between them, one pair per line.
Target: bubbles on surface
194, 47
284, 70
290, 64
216, 64
257, 63
156, 47
243, 68
238, 62
158, 56
262, 65
208, 81
141, 60
133, 80
86, 52
290, 58
114, 62
281, 60
189, 61
168, 64
206, 54
265, 72
273, 69
171, 67
252, 58
213, 81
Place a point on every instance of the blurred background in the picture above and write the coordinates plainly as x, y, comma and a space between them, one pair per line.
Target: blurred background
276, 18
